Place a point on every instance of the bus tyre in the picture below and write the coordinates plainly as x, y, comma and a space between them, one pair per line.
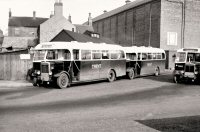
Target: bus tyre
157, 71
111, 76
131, 74
34, 81
62, 81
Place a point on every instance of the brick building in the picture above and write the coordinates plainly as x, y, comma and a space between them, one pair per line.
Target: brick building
50, 28
166, 24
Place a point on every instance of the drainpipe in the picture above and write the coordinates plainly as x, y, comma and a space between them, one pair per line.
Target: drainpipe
150, 27
182, 2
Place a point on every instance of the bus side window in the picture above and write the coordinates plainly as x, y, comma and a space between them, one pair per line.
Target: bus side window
159, 56
114, 56
67, 55
154, 56
86, 55
76, 54
131, 56
197, 57
150, 57
105, 55
96, 55
144, 56
139, 56
122, 55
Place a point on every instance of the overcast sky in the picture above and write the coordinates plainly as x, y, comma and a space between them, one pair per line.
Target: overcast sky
78, 9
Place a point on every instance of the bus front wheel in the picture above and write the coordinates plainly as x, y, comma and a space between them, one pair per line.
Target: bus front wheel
131, 74
63, 80
111, 76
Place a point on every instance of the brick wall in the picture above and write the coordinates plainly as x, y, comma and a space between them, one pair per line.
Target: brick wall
192, 24
22, 32
133, 27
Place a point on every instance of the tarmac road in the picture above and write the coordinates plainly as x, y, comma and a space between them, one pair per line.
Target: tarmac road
147, 104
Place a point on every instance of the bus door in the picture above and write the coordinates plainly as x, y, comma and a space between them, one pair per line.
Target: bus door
146, 65
105, 64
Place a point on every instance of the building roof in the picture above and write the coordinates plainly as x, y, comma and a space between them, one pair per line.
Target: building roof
85, 38
83, 28
26, 21
18, 42
121, 9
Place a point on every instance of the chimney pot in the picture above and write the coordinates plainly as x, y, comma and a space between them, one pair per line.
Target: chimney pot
127, 1
34, 14
70, 18
10, 13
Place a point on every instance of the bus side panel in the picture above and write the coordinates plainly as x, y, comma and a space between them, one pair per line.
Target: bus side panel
89, 70
119, 66
148, 67
105, 67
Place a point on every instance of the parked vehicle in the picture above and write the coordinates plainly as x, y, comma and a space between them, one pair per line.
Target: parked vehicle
187, 65
144, 61
66, 63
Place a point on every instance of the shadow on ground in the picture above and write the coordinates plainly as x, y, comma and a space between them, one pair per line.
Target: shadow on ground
24, 92
177, 124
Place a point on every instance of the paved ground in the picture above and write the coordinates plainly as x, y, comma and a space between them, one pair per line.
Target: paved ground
146, 104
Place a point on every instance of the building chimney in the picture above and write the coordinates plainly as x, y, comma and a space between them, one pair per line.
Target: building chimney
90, 20
127, 1
34, 14
10, 13
70, 18
58, 8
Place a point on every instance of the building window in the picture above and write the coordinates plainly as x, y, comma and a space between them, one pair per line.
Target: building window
172, 38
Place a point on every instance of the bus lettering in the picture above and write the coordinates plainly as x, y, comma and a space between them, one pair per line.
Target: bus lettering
96, 66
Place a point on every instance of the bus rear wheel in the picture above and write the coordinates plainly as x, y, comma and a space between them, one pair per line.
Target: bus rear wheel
131, 74
63, 81
111, 76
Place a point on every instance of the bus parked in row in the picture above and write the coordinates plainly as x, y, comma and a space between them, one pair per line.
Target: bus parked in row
142, 61
65, 63
70, 62
187, 65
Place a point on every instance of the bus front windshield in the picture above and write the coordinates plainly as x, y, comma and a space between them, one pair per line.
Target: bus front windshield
181, 57
39, 55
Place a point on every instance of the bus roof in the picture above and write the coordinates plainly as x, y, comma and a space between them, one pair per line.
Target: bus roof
142, 49
195, 50
77, 45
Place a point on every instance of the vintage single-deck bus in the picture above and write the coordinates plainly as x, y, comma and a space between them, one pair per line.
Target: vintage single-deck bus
144, 61
187, 65
70, 62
